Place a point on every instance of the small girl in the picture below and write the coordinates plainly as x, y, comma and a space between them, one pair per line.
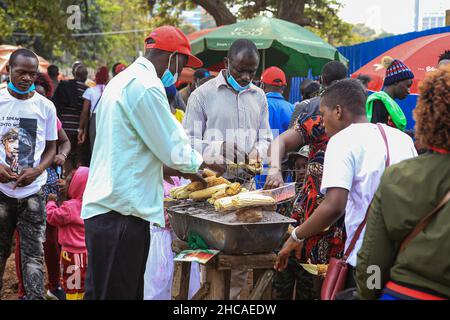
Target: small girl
71, 232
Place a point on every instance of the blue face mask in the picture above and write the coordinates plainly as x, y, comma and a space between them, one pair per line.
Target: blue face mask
236, 86
13, 88
171, 91
168, 79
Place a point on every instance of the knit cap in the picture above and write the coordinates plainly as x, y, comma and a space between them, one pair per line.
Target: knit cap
396, 71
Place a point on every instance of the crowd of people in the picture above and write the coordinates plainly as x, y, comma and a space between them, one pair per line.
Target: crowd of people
84, 169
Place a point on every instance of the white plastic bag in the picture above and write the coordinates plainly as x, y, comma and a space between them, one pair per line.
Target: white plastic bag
159, 270
194, 280
158, 275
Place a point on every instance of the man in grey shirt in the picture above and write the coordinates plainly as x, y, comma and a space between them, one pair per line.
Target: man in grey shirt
228, 117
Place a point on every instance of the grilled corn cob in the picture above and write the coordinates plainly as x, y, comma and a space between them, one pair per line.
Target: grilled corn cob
233, 189
194, 186
184, 194
243, 200
174, 191
215, 181
253, 166
179, 193
211, 182
256, 168
206, 193
219, 194
315, 269
208, 173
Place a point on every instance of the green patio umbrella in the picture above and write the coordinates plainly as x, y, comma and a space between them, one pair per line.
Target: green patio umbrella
284, 44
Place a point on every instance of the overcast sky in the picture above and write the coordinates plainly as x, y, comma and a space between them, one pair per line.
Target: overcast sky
394, 16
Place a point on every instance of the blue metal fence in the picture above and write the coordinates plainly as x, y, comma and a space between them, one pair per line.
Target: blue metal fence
361, 54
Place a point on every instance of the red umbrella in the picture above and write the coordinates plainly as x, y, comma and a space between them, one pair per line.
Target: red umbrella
420, 55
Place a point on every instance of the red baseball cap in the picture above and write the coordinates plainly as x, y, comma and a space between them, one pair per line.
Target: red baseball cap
171, 39
119, 68
274, 76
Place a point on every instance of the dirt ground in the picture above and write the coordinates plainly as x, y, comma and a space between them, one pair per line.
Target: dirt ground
10, 284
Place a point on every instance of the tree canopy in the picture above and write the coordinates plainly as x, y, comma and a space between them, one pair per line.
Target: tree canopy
114, 29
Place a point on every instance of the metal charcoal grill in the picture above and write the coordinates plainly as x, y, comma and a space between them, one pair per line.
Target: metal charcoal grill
224, 232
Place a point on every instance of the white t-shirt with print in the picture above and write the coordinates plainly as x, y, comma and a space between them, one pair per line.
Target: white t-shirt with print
93, 95
25, 126
355, 160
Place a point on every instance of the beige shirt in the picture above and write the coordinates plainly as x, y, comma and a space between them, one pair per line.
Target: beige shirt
216, 113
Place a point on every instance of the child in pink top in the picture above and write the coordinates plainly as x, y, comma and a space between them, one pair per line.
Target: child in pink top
71, 232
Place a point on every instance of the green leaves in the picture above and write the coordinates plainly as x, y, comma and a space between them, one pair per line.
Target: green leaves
42, 25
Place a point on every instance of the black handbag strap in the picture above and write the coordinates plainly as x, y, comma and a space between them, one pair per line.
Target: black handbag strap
95, 106
363, 223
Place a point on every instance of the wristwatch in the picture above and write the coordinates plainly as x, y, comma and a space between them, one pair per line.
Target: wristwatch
294, 237
63, 154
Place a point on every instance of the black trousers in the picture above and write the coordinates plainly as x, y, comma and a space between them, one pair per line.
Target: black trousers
117, 248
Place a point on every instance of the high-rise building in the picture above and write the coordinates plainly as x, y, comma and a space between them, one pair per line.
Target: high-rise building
433, 20
416, 15
198, 18
430, 14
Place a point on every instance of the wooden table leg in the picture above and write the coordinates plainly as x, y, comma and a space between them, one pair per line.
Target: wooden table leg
257, 273
227, 284
216, 280
263, 288
184, 281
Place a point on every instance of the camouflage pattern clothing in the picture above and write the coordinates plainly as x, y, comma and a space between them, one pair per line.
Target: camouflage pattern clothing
29, 217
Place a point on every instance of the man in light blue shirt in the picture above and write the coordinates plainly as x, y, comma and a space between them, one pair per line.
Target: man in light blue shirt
137, 136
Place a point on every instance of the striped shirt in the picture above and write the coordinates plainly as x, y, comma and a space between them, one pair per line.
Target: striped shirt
68, 99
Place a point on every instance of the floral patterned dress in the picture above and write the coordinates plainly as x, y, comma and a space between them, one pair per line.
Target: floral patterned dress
330, 243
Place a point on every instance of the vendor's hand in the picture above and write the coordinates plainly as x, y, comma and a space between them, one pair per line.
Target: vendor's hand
274, 179
284, 254
52, 197
81, 136
59, 160
27, 176
6, 174
231, 152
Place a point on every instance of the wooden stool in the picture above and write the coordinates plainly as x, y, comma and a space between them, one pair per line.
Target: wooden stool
218, 275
